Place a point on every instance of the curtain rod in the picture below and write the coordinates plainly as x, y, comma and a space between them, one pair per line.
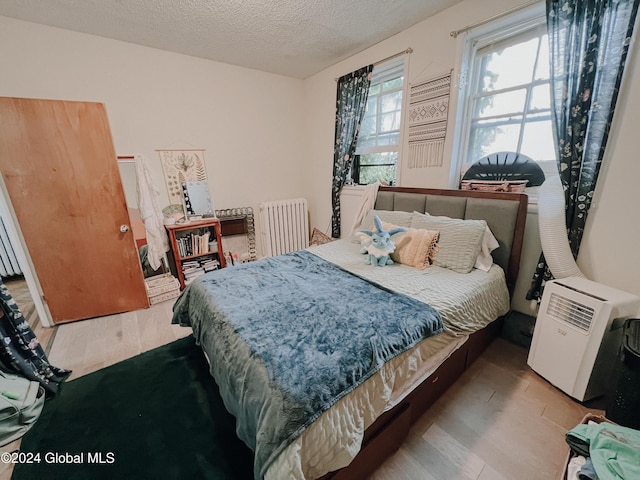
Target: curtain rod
404, 52
455, 33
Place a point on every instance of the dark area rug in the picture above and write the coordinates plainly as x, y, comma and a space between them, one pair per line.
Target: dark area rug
158, 415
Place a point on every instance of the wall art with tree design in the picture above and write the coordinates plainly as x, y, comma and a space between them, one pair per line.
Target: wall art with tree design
181, 166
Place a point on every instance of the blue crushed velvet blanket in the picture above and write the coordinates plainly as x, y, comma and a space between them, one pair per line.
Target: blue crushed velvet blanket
288, 336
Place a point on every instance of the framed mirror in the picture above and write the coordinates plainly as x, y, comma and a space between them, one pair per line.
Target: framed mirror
197, 200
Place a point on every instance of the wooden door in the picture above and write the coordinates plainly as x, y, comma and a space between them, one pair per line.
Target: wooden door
60, 169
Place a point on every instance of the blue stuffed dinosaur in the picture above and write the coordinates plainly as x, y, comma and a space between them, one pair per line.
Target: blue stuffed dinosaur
379, 246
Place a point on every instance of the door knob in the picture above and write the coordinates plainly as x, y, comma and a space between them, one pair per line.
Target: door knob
124, 228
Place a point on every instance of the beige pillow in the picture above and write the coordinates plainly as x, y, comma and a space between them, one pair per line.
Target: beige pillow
415, 248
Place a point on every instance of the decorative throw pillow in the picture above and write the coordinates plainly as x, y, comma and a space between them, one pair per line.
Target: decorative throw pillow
460, 240
415, 247
319, 238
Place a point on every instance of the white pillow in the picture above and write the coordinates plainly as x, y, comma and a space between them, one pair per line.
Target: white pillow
459, 243
489, 244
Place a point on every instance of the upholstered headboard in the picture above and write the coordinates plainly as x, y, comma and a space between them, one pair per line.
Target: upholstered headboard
505, 213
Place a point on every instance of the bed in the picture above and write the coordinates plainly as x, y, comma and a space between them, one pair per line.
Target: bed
322, 384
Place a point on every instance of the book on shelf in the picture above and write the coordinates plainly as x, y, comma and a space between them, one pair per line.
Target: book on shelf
194, 268
194, 244
194, 272
190, 264
209, 265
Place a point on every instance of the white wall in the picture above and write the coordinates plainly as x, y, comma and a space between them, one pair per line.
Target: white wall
157, 100
268, 137
609, 253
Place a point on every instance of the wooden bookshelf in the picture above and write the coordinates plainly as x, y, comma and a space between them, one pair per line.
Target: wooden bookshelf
196, 248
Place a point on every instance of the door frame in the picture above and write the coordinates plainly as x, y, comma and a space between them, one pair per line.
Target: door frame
24, 260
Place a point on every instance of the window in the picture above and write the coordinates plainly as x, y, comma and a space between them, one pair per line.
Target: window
377, 151
506, 103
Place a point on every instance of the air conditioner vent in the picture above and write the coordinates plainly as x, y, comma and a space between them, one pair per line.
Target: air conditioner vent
570, 311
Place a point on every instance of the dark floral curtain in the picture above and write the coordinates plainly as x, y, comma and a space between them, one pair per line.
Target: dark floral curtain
353, 90
588, 44
20, 351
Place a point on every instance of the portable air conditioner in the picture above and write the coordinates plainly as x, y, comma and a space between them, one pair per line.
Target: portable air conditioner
578, 333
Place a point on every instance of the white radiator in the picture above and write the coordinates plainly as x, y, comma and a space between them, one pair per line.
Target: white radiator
8, 261
284, 226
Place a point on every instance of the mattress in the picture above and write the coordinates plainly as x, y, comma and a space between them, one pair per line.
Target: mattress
466, 302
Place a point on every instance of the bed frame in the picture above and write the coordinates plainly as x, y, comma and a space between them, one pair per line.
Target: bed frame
505, 213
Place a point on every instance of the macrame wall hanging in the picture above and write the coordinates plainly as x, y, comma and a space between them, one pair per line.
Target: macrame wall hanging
428, 113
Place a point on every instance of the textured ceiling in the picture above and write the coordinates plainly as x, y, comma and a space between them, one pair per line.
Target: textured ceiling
296, 38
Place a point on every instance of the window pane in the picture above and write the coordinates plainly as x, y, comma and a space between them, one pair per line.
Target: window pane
380, 130
488, 138
391, 138
537, 141
508, 67
540, 97
372, 105
373, 168
391, 102
365, 142
378, 158
393, 83
500, 104
367, 128
389, 122
385, 174
381, 122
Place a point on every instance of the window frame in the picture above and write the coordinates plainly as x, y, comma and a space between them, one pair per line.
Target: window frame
475, 40
387, 70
